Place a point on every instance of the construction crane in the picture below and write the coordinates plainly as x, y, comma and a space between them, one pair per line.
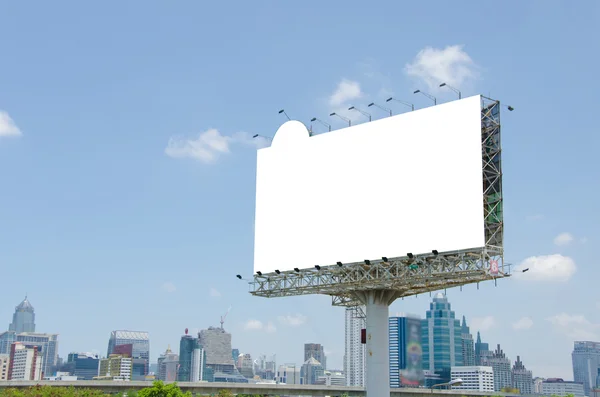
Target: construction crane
224, 317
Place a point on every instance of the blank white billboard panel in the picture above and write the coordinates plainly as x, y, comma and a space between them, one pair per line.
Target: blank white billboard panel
407, 183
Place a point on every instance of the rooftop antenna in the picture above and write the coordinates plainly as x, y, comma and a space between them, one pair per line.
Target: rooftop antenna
224, 317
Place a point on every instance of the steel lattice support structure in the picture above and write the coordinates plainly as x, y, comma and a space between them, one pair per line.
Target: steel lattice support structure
379, 282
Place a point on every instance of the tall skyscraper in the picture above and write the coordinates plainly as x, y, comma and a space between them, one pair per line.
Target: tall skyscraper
441, 340
140, 341
481, 350
586, 361
217, 344
502, 369
354, 350
24, 318
316, 351
406, 352
468, 348
192, 360
522, 378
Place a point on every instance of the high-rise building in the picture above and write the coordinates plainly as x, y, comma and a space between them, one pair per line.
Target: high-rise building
48, 347
481, 350
406, 352
331, 378
25, 362
441, 340
167, 366
24, 318
136, 345
522, 378
316, 351
289, 374
354, 349
245, 365
193, 360
217, 344
4, 362
502, 369
235, 353
115, 367
82, 365
7, 338
310, 372
468, 348
474, 378
586, 361
561, 388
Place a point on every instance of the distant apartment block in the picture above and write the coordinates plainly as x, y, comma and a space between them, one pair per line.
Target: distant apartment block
331, 378
561, 388
25, 362
4, 362
289, 374
475, 378
115, 367
354, 349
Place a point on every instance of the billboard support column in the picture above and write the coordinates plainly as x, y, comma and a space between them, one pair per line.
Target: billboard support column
377, 303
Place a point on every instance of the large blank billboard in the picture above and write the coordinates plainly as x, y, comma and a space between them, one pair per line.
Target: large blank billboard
407, 183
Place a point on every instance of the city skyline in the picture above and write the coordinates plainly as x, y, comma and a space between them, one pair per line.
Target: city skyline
139, 341
127, 160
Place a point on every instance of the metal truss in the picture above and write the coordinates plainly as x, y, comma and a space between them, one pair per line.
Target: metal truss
407, 276
492, 174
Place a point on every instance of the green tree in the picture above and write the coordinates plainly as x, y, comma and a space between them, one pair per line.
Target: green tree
159, 389
49, 391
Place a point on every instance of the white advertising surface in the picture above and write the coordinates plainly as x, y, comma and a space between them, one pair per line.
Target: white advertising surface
407, 183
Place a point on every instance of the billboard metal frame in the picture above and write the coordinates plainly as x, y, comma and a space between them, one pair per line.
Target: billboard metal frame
407, 276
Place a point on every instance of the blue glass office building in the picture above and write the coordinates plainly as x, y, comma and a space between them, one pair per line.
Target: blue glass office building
441, 340
406, 358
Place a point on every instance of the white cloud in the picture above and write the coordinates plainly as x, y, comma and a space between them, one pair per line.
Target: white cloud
451, 65
213, 292
575, 326
293, 320
257, 325
346, 90
8, 126
563, 239
523, 323
483, 323
168, 287
546, 268
209, 145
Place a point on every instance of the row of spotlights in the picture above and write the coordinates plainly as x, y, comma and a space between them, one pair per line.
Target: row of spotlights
367, 262
340, 264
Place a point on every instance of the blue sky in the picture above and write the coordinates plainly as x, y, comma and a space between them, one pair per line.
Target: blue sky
127, 170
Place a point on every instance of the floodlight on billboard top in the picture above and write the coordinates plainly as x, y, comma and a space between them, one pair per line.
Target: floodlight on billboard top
407, 183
